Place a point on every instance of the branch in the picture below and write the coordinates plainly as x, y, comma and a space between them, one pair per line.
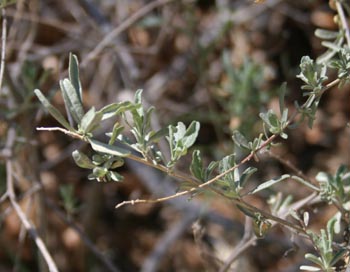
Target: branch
343, 21
3, 46
122, 27
10, 192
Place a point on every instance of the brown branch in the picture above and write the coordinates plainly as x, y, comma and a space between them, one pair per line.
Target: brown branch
122, 27
10, 192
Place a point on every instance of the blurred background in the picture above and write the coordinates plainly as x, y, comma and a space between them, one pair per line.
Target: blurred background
220, 62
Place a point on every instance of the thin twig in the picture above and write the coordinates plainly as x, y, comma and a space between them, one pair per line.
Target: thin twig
247, 240
153, 261
3, 46
65, 131
122, 27
97, 252
202, 185
288, 164
343, 20
25, 221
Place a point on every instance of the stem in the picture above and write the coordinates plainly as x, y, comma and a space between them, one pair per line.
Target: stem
343, 21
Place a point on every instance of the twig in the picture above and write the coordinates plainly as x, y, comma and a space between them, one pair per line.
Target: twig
107, 263
123, 26
288, 164
10, 192
65, 131
153, 261
343, 20
3, 46
247, 240
202, 185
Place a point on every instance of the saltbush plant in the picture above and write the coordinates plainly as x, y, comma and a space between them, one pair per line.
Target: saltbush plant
225, 177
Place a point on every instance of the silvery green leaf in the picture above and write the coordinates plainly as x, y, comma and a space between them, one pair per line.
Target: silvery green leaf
282, 94
156, 136
239, 139
117, 129
314, 259
72, 100
196, 166
309, 268
117, 108
338, 256
90, 120
330, 228
74, 75
108, 149
322, 177
52, 110
269, 183
115, 176
82, 160
191, 134
246, 175
332, 46
326, 34
99, 172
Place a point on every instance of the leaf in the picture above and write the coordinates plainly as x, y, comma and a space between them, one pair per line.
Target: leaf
309, 268
196, 166
269, 183
332, 46
239, 139
246, 175
191, 134
74, 75
314, 259
156, 136
117, 108
72, 100
326, 34
82, 160
108, 149
52, 110
338, 256
90, 120
117, 129
282, 94
115, 176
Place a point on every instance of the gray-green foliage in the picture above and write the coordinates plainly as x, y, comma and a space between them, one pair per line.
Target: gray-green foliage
132, 131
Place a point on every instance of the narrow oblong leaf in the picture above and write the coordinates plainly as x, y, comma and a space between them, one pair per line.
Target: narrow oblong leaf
72, 100
338, 256
52, 110
196, 166
74, 75
117, 129
282, 94
269, 183
326, 34
332, 46
314, 259
108, 149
